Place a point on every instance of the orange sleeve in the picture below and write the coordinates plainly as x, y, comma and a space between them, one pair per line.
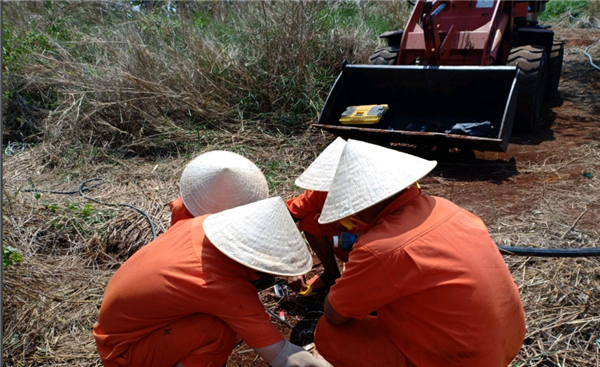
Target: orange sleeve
363, 287
242, 310
307, 203
178, 211
306, 208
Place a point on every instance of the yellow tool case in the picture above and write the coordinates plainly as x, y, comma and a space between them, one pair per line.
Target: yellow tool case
366, 114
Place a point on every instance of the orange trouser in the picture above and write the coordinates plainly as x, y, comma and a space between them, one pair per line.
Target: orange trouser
357, 343
199, 340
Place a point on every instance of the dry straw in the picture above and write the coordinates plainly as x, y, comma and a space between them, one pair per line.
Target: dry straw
51, 298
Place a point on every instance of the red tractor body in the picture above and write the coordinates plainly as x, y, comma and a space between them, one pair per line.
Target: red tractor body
454, 56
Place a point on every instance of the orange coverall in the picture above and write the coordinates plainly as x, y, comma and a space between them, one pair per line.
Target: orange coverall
306, 208
180, 299
179, 211
443, 293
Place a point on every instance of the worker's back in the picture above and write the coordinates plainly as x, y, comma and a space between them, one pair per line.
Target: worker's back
441, 289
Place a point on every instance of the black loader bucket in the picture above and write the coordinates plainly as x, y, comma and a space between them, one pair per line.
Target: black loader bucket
467, 107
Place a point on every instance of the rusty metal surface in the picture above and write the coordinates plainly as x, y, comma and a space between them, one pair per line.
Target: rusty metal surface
414, 137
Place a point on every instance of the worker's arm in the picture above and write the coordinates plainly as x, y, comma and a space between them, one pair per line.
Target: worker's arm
285, 354
332, 316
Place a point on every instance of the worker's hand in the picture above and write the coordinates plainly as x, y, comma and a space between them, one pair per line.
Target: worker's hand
295, 356
296, 283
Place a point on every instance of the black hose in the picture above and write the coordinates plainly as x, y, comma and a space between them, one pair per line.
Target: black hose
83, 188
550, 252
282, 321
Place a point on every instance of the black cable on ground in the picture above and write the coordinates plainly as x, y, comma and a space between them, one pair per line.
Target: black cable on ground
304, 335
83, 188
282, 321
550, 252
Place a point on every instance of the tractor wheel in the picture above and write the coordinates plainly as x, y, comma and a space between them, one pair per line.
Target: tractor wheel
384, 56
531, 61
555, 62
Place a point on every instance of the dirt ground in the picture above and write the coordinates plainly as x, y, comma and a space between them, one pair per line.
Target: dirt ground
543, 192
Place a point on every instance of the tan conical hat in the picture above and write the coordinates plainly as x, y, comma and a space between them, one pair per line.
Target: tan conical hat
319, 174
368, 174
262, 236
219, 180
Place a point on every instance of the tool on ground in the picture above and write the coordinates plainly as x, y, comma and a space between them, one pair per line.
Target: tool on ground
312, 285
281, 290
306, 290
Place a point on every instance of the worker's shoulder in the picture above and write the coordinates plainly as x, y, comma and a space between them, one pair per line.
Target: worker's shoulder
424, 208
418, 217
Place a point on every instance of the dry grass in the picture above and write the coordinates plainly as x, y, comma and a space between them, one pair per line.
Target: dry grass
142, 81
51, 300
140, 110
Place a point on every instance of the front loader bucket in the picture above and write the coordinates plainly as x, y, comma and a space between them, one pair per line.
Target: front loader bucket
425, 105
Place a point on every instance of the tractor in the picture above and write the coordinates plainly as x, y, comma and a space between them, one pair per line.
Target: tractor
460, 74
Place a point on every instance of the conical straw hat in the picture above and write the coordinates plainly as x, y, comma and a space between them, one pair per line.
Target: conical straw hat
319, 174
368, 174
262, 236
219, 180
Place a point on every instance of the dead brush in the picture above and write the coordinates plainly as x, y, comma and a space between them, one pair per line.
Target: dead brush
51, 298
141, 79
562, 304
122, 90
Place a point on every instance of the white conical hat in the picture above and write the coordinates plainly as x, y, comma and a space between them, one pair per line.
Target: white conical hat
368, 174
219, 180
262, 236
319, 174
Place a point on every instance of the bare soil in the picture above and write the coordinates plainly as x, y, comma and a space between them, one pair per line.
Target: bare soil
543, 192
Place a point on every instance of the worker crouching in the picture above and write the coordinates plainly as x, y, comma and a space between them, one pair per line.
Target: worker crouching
185, 299
306, 209
442, 292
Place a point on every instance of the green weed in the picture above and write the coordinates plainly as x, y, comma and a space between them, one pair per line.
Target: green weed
556, 8
10, 256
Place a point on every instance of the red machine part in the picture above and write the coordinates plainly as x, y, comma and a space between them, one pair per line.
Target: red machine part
474, 32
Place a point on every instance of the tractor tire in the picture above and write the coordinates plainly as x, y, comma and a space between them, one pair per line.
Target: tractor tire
531, 61
555, 62
384, 56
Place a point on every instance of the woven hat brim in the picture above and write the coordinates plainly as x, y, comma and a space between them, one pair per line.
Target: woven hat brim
319, 175
366, 175
261, 236
220, 180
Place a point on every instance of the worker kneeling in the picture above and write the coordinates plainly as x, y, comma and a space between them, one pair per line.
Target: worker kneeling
443, 293
185, 299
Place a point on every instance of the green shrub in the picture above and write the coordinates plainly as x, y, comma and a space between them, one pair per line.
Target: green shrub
10, 256
556, 8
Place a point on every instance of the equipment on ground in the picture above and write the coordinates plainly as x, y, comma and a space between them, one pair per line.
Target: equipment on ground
460, 74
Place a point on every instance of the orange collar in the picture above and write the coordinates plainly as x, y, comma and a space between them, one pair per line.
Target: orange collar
401, 200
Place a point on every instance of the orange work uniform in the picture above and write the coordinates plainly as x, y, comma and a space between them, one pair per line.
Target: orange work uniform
306, 209
443, 293
179, 211
180, 299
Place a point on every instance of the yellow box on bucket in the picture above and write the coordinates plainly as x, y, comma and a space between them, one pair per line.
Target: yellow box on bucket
365, 114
